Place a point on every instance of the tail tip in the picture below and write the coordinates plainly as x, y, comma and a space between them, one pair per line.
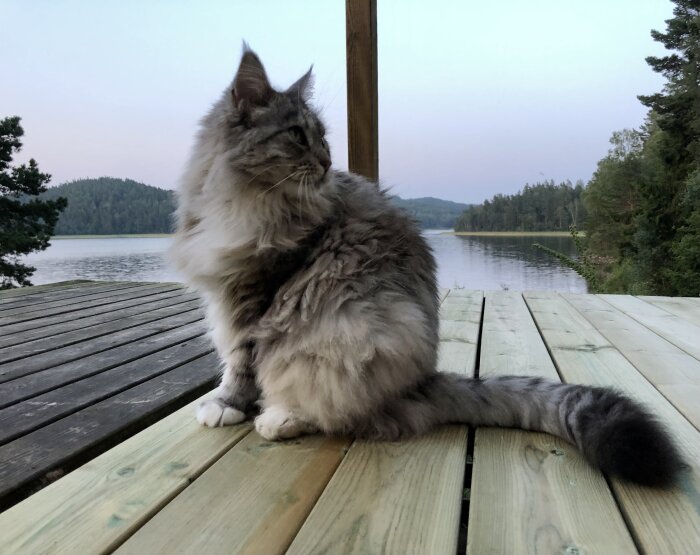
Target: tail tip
637, 448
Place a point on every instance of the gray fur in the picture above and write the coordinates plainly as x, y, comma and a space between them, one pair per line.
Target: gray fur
321, 296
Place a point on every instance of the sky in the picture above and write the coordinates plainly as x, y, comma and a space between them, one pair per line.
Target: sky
476, 97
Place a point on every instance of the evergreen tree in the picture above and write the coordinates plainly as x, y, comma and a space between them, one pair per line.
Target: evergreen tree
26, 223
668, 218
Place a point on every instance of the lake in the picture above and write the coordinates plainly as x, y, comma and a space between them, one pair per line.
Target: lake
472, 262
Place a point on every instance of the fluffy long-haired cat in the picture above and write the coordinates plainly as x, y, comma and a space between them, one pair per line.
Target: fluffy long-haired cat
322, 300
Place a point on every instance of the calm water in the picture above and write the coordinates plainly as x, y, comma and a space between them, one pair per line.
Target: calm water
471, 262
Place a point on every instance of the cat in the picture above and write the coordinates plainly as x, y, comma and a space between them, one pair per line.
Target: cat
322, 302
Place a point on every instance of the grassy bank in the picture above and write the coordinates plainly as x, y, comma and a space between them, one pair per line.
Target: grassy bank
118, 236
511, 233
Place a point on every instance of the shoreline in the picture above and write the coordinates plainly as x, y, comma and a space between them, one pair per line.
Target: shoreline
114, 236
511, 233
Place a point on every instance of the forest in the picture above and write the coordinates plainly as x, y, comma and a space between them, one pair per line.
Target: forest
643, 202
540, 207
108, 206
432, 213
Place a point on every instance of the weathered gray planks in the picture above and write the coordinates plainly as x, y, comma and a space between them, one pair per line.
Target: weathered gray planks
51, 353
36, 383
49, 452
8, 296
31, 414
14, 334
54, 300
73, 304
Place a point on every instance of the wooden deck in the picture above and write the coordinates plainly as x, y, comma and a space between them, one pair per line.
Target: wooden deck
97, 387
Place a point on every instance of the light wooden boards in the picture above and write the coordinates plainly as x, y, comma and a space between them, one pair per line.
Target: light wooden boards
98, 506
661, 521
673, 372
533, 493
252, 501
682, 333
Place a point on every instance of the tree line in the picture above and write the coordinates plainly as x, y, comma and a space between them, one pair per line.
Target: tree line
108, 205
643, 202
545, 206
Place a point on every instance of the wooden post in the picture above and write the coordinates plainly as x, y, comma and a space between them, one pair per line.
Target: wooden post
361, 53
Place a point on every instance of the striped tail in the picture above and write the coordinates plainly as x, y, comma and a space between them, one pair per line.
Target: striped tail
613, 432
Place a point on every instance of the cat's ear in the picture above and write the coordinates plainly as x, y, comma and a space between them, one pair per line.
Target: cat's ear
251, 86
304, 87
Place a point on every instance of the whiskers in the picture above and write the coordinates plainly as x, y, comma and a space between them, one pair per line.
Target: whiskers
293, 174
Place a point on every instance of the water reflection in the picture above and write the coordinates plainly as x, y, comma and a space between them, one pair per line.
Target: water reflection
471, 262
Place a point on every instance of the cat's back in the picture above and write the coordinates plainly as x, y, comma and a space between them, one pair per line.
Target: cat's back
368, 219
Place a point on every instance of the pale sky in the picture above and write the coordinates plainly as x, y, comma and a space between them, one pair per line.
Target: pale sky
475, 97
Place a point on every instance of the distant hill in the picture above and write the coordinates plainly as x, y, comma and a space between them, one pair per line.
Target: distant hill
432, 213
108, 205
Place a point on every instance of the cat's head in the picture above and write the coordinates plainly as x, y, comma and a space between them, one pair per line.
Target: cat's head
276, 138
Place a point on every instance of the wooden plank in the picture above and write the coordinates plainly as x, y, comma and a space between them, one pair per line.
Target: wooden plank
391, 497
672, 371
402, 497
61, 297
49, 452
31, 385
160, 320
682, 333
538, 488
662, 521
53, 325
253, 500
96, 507
683, 307
29, 415
66, 306
10, 295
361, 54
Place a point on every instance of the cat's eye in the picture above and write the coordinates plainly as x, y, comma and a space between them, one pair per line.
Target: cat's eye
297, 134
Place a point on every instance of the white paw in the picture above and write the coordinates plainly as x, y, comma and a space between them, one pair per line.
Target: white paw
214, 412
278, 423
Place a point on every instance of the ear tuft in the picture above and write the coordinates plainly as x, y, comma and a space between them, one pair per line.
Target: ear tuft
251, 86
304, 87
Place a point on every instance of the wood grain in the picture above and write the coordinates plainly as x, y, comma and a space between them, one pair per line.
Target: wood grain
361, 54
31, 414
533, 493
687, 308
252, 501
37, 307
51, 353
41, 293
682, 333
95, 508
671, 370
24, 332
662, 521
34, 384
402, 497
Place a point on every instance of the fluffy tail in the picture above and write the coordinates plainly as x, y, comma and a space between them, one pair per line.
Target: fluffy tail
613, 432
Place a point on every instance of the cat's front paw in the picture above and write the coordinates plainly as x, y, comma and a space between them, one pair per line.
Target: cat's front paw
215, 412
276, 423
